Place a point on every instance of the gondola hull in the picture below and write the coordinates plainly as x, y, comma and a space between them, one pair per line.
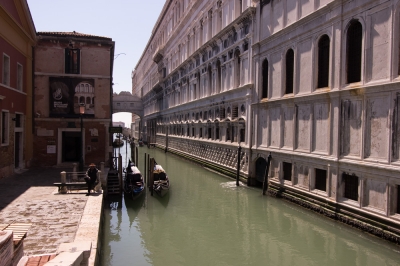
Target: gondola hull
133, 183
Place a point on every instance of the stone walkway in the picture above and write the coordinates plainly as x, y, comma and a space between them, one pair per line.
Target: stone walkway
31, 197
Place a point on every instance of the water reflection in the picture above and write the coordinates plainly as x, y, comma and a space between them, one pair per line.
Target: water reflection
206, 220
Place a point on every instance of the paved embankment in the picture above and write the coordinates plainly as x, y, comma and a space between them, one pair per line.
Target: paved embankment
31, 197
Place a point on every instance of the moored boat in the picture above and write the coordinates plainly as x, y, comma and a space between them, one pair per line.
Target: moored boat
161, 181
133, 181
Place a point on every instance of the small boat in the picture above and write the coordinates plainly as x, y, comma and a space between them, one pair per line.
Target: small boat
161, 181
118, 143
133, 181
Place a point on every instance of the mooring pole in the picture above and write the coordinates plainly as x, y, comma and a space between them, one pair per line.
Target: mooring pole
151, 175
137, 156
120, 172
145, 169
238, 165
133, 153
265, 184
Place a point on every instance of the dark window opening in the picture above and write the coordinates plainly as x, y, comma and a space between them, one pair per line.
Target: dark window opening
72, 61
209, 133
354, 52
398, 199
242, 131
320, 179
192, 132
287, 171
350, 186
228, 134
289, 71
323, 61
18, 120
265, 79
217, 133
201, 132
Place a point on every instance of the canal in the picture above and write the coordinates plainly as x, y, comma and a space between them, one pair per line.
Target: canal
206, 220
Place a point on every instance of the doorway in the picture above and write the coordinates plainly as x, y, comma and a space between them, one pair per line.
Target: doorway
71, 146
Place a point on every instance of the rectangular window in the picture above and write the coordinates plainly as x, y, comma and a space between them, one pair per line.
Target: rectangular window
350, 186
6, 70
217, 133
201, 132
242, 134
320, 179
287, 171
72, 61
5, 127
20, 77
18, 120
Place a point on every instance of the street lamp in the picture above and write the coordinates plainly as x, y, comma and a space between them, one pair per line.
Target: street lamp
81, 112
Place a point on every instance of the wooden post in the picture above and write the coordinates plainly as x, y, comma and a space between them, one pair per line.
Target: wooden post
120, 172
151, 172
133, 153
137, 156
148, 168
238, 165
145, 169
265, 184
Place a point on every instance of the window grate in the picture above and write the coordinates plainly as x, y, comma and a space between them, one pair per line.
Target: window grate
287, 171
350, 186
320, 179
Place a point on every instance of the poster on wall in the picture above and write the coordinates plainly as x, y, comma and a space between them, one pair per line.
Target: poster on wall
68, 94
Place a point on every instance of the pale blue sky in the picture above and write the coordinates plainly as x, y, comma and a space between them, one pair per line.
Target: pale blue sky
128, 22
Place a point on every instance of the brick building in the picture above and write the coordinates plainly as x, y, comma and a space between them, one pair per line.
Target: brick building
17, 37
72, 98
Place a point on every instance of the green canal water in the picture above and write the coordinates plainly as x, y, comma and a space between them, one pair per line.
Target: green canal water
206, 220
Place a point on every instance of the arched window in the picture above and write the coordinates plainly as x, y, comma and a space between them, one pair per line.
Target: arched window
209, 89
354, 51
218, 87
237, 68
323, 61
265, 79
289, 71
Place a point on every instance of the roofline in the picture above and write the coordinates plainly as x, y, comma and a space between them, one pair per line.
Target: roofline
156, 26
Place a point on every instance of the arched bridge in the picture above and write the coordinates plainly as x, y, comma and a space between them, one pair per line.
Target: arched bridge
126, 102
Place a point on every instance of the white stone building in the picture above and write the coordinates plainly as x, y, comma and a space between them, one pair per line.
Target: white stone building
313, 83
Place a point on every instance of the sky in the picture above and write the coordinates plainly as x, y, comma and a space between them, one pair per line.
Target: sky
128, 22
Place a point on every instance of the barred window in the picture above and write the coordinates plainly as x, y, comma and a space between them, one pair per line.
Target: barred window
72, 61
320, 179
350, 186
287, 171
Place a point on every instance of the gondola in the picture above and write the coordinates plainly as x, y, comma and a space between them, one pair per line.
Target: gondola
161, 182
133, 181
140, 143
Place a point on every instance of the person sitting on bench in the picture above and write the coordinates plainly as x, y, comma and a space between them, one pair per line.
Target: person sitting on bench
91, 177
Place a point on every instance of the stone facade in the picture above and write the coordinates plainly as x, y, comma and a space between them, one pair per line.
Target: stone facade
312, 83
17, 36
72, 71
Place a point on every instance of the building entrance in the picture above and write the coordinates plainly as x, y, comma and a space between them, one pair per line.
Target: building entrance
71, 146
